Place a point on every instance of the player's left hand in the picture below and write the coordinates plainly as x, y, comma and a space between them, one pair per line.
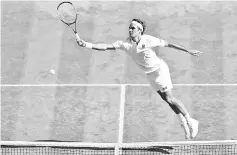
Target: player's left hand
195, 52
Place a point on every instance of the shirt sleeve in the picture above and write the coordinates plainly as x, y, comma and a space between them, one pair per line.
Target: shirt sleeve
118, 44
157, 42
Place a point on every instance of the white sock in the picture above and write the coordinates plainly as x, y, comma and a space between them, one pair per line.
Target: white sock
188, 118
181, 118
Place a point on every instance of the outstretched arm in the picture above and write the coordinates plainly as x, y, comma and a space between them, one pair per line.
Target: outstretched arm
100, 47
179, 47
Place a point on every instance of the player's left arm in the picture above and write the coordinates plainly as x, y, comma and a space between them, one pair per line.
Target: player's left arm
179, 47
163, 43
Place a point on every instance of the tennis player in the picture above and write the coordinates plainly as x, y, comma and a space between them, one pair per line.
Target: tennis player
139, 46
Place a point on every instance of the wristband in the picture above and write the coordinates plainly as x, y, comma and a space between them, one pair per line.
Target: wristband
88, 45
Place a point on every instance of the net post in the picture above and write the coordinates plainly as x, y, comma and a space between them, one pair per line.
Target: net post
121, 119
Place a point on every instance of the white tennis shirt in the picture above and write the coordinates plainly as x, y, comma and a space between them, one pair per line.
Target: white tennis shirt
143, 54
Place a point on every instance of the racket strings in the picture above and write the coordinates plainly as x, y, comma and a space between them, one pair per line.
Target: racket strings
67, 13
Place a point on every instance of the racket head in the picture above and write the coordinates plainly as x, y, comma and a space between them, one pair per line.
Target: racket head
67, 13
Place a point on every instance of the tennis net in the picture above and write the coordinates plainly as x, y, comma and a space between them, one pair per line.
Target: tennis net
159, 148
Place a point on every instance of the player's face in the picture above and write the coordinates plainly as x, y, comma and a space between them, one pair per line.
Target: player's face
134, 31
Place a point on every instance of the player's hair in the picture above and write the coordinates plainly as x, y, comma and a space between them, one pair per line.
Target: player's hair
141, 22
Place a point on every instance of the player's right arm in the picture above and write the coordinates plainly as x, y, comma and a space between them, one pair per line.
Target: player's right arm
98, 46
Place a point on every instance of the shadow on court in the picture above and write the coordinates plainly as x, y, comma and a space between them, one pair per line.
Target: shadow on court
133, 149
154, 149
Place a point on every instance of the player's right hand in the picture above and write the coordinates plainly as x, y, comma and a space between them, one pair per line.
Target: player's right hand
195, 52
81, 42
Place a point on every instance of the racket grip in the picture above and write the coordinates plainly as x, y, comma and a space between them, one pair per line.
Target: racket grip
77, 36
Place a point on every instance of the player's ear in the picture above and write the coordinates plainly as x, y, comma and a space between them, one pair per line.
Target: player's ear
140, 30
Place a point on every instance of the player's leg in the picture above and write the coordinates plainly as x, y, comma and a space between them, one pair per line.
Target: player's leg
166, 89
173, 107
174, 103
152, 78
161, 82
181, 111
182, 119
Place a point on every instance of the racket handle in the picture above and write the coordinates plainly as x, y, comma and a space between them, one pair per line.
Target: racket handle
77, 36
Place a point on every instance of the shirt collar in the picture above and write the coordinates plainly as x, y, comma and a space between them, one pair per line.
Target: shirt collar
131, 41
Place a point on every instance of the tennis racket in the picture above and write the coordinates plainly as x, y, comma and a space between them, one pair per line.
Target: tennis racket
67, 13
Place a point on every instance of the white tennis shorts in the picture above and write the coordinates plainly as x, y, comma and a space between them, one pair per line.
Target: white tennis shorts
160, 79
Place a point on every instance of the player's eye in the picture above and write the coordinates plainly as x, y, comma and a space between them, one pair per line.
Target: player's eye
132, 28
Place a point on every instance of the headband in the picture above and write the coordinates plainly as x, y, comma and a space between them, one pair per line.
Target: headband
138, 24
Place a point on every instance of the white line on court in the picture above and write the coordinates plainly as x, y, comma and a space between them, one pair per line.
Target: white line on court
105, 85
108, 145
121, 117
